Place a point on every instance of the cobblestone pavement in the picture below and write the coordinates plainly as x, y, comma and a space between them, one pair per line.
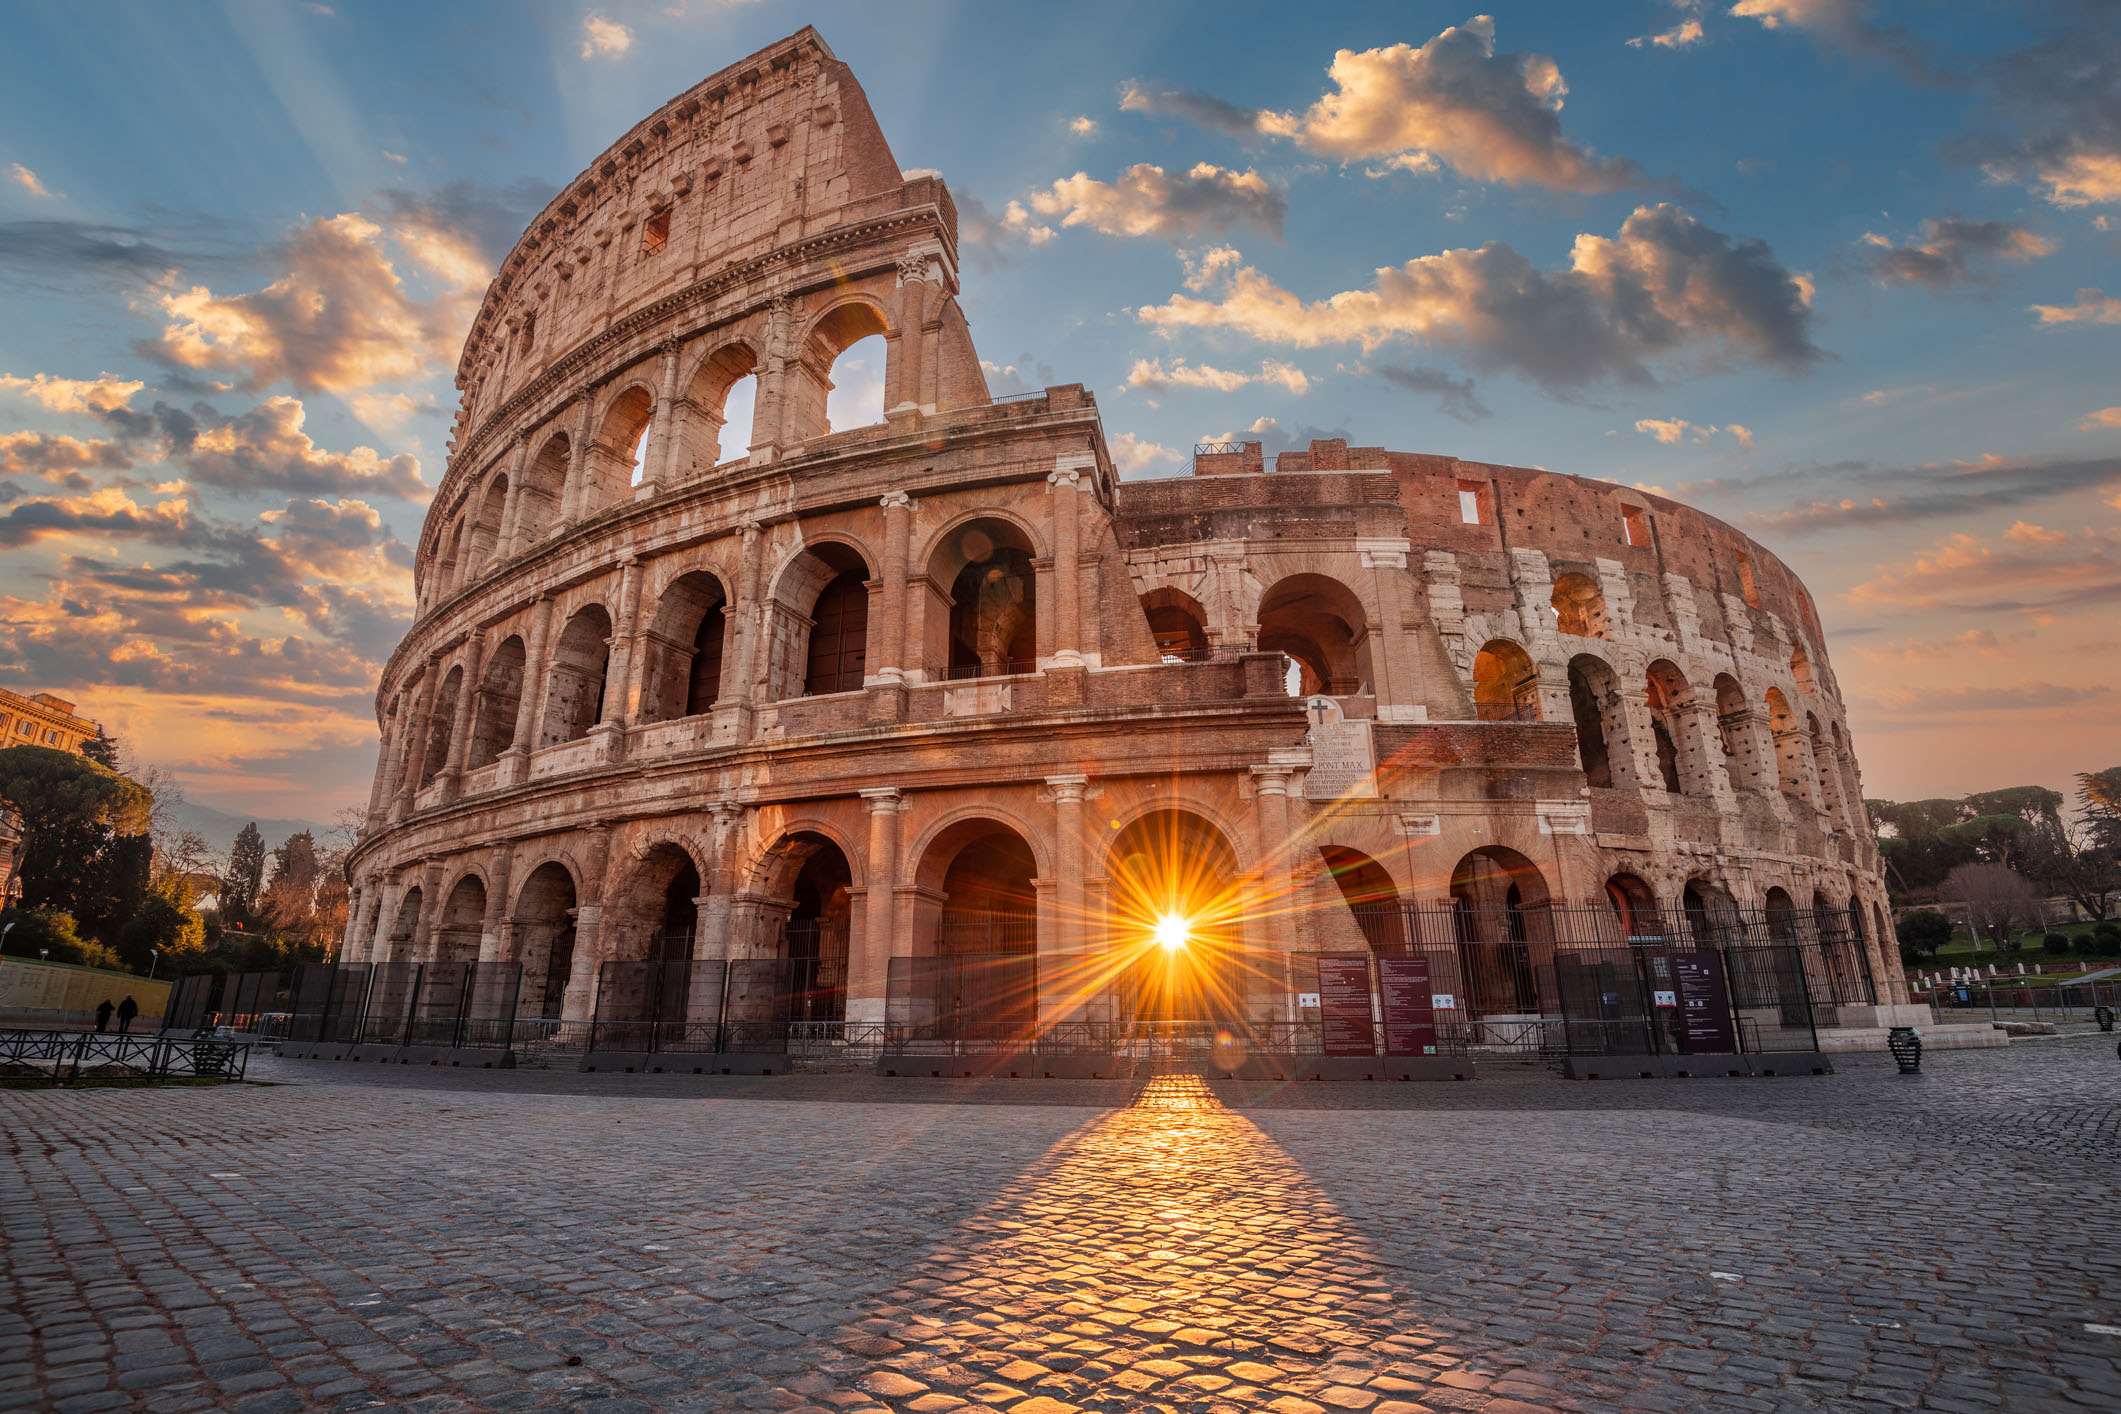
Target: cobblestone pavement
478, 1240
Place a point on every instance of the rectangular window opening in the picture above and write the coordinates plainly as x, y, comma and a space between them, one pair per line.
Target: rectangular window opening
656, 234
1637, 522
1469, 502
1746, 583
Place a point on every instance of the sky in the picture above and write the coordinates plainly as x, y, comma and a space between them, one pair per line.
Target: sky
1841, 273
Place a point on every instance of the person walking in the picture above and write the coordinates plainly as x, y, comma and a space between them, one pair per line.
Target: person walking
127, 1010
103, 1015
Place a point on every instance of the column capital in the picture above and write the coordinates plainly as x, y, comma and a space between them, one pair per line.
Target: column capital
895, 501
1068, 789
1272, 779
883, 800
1064, 475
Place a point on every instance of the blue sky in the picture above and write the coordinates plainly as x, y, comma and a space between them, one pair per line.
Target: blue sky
1887, 346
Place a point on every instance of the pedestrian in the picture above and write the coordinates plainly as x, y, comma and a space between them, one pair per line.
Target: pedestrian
103, 1015
127, 1010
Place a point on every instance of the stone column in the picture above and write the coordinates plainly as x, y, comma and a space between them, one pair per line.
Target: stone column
655, 461
887, 630
495, 942
581, 461
423, 927
912, 324
1634, 756
1066, 970
504, 541
530, 707
1714, 781
619, 688
408, 768
1064, 485
1271, 785
869, 972
356, 900
1392, 671
580, 1001
732, 714
451, 776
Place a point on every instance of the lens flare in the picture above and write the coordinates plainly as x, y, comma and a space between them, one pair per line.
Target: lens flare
1171, 932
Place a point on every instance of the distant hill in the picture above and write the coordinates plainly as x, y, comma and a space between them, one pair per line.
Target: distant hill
221, 828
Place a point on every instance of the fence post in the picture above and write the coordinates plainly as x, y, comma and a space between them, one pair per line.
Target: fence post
412, 1009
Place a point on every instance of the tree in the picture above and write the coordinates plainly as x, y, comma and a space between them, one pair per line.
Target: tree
101, 749
165, 923
2070, 860
246, 873
2000, 902
2099, 798
1922, 932
74, 811
49, 935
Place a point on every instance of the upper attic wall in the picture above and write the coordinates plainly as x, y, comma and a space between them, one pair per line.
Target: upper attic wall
777, 147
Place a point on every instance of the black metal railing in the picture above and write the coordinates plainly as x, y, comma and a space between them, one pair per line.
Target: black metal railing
1005, 667
73, 1055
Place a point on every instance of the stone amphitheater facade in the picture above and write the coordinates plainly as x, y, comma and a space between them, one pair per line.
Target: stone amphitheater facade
931, 683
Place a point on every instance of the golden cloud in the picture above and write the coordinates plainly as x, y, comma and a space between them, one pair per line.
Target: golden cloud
1147, 201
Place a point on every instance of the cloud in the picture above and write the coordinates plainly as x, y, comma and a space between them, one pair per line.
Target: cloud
2031, 571
1454, 101
2104, 417
1147, 201
981, 229
1944, 253
1133, 454
1083, 126
105, 513
64, 461
1664, 283
2056, 106
338, 319
1150, 373
102, 394
1454, 396
265, 449
2092, 307
1906, 495
1196, 107
1274, 438
1922, 703
1980, 642
602, 36
1673, 430
1026, 375
29, 181
1844, 26
1681, 35
38, 252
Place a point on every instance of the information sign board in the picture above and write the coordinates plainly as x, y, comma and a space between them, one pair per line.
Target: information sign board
1409, 1006
1344, 1004
1705, 1027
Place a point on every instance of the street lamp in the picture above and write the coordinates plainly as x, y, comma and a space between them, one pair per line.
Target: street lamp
154, 957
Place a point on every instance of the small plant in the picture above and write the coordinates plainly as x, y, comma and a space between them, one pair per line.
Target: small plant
2106, 928
2057, 944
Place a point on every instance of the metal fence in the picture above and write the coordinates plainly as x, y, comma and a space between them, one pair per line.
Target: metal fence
711, 1005
73, 1054
455, 1005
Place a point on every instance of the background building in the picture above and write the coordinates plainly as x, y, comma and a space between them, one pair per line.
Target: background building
40, 719
944, 686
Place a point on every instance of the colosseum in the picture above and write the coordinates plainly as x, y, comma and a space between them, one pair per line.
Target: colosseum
875, 731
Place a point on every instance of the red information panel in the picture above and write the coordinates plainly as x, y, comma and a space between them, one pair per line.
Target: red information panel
1344, 1005
1410, 1009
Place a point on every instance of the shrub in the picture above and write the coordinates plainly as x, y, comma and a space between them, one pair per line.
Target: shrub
2109, 944
2056, 944
2106, 928
1924, 930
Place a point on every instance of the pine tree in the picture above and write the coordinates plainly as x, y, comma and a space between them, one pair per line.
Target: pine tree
101, 749
246, 872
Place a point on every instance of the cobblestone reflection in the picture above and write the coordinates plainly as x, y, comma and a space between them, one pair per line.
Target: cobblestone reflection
1167, 1255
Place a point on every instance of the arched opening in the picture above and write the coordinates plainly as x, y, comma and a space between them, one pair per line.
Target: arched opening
544, 940
444, 578
500, 702
1592, 702
1790, 749
441, 717
486, 528
1667, 694
457, 931
1734, 722
813, 408
1801, 667
655, 917
1505, 684
818, 639
1174, 908
857, 395
1579, 606
682, 675
544, 485
993, 598
1781, 916
815, 936
989, 903
616, 461
1178, 624
1635, 906
722, 399
1501, 907
1320, 624
1371, 896
574, 701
